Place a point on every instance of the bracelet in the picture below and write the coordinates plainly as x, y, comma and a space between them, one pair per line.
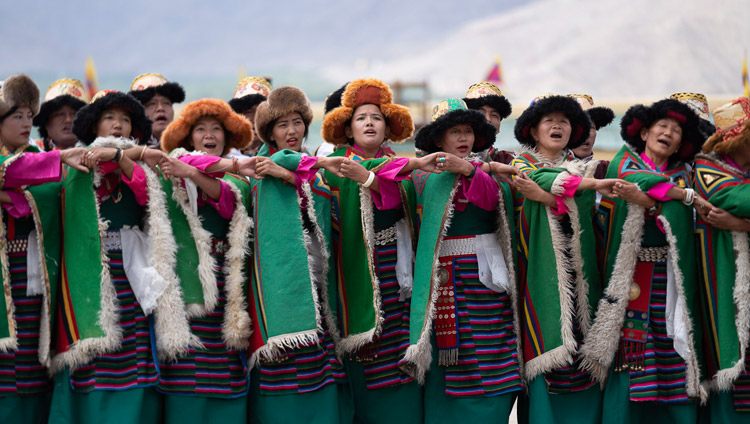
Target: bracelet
655, 210
235, 166
370, 179
474, 172
143, 152
689, 196
118, 155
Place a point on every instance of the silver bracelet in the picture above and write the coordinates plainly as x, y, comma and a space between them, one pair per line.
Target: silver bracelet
370, 179
689, 196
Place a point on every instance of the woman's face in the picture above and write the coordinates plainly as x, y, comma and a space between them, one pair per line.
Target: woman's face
288, 132
552, 133
662, 138
587, 148
16, 128
114, 122
458, 140
60, 125
208, 136
368, 128
492, 116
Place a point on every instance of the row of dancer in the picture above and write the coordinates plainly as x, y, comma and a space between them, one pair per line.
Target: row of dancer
381, 288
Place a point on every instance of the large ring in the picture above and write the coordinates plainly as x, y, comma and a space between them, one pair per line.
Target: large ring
89, 153
441, 159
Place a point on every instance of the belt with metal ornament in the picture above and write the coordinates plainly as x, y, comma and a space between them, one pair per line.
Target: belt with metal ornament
111, 240
385, 237
18, 245
460, 246
653, 254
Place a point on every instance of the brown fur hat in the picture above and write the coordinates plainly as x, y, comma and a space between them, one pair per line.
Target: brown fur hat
16, 91
239, 131
733, 127
367, 91
282, 101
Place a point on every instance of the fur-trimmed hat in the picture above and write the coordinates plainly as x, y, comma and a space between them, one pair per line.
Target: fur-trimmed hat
282, 101
84, 126
640, 116
250, 91
367, 91
733, 122
487, 93
333, 100
600, 116
543, 105
17, 91
699, 104
145, 86
446, 115
63, 92
239, 131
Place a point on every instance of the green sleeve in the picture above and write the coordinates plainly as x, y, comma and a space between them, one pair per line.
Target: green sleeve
545, 177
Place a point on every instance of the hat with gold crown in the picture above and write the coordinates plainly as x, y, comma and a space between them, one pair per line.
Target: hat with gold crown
63, 92
487, 94
145, 86
250, 91
699, 104
600, 116
733, 127
446, 115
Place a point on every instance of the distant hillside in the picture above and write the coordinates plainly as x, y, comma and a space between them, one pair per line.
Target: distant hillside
611, 49
196, 39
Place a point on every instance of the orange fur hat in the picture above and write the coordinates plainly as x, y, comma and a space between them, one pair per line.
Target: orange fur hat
239, 130
367, 91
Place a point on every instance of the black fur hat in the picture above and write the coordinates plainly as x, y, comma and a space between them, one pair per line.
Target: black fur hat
640, 116
51, 106
334, 99
84, 126
579, 120
599, 116
487, 93
449, 113
250, 91
145, 87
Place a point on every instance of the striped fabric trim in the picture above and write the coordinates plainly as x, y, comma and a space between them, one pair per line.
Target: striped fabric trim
214, 371
301, 370
20, 371
741, 391
663, 379
487, 354
133, 364
570, 378
381, 357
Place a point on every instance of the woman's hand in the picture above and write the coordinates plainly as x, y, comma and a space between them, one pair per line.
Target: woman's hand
152, 157
246, 166
606, 185
265, 166
354, 171
95, 155
504, 171
723, 220
630, 192
703, 207
447, 162
531, 190
173, 167
74, 158
331, 164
